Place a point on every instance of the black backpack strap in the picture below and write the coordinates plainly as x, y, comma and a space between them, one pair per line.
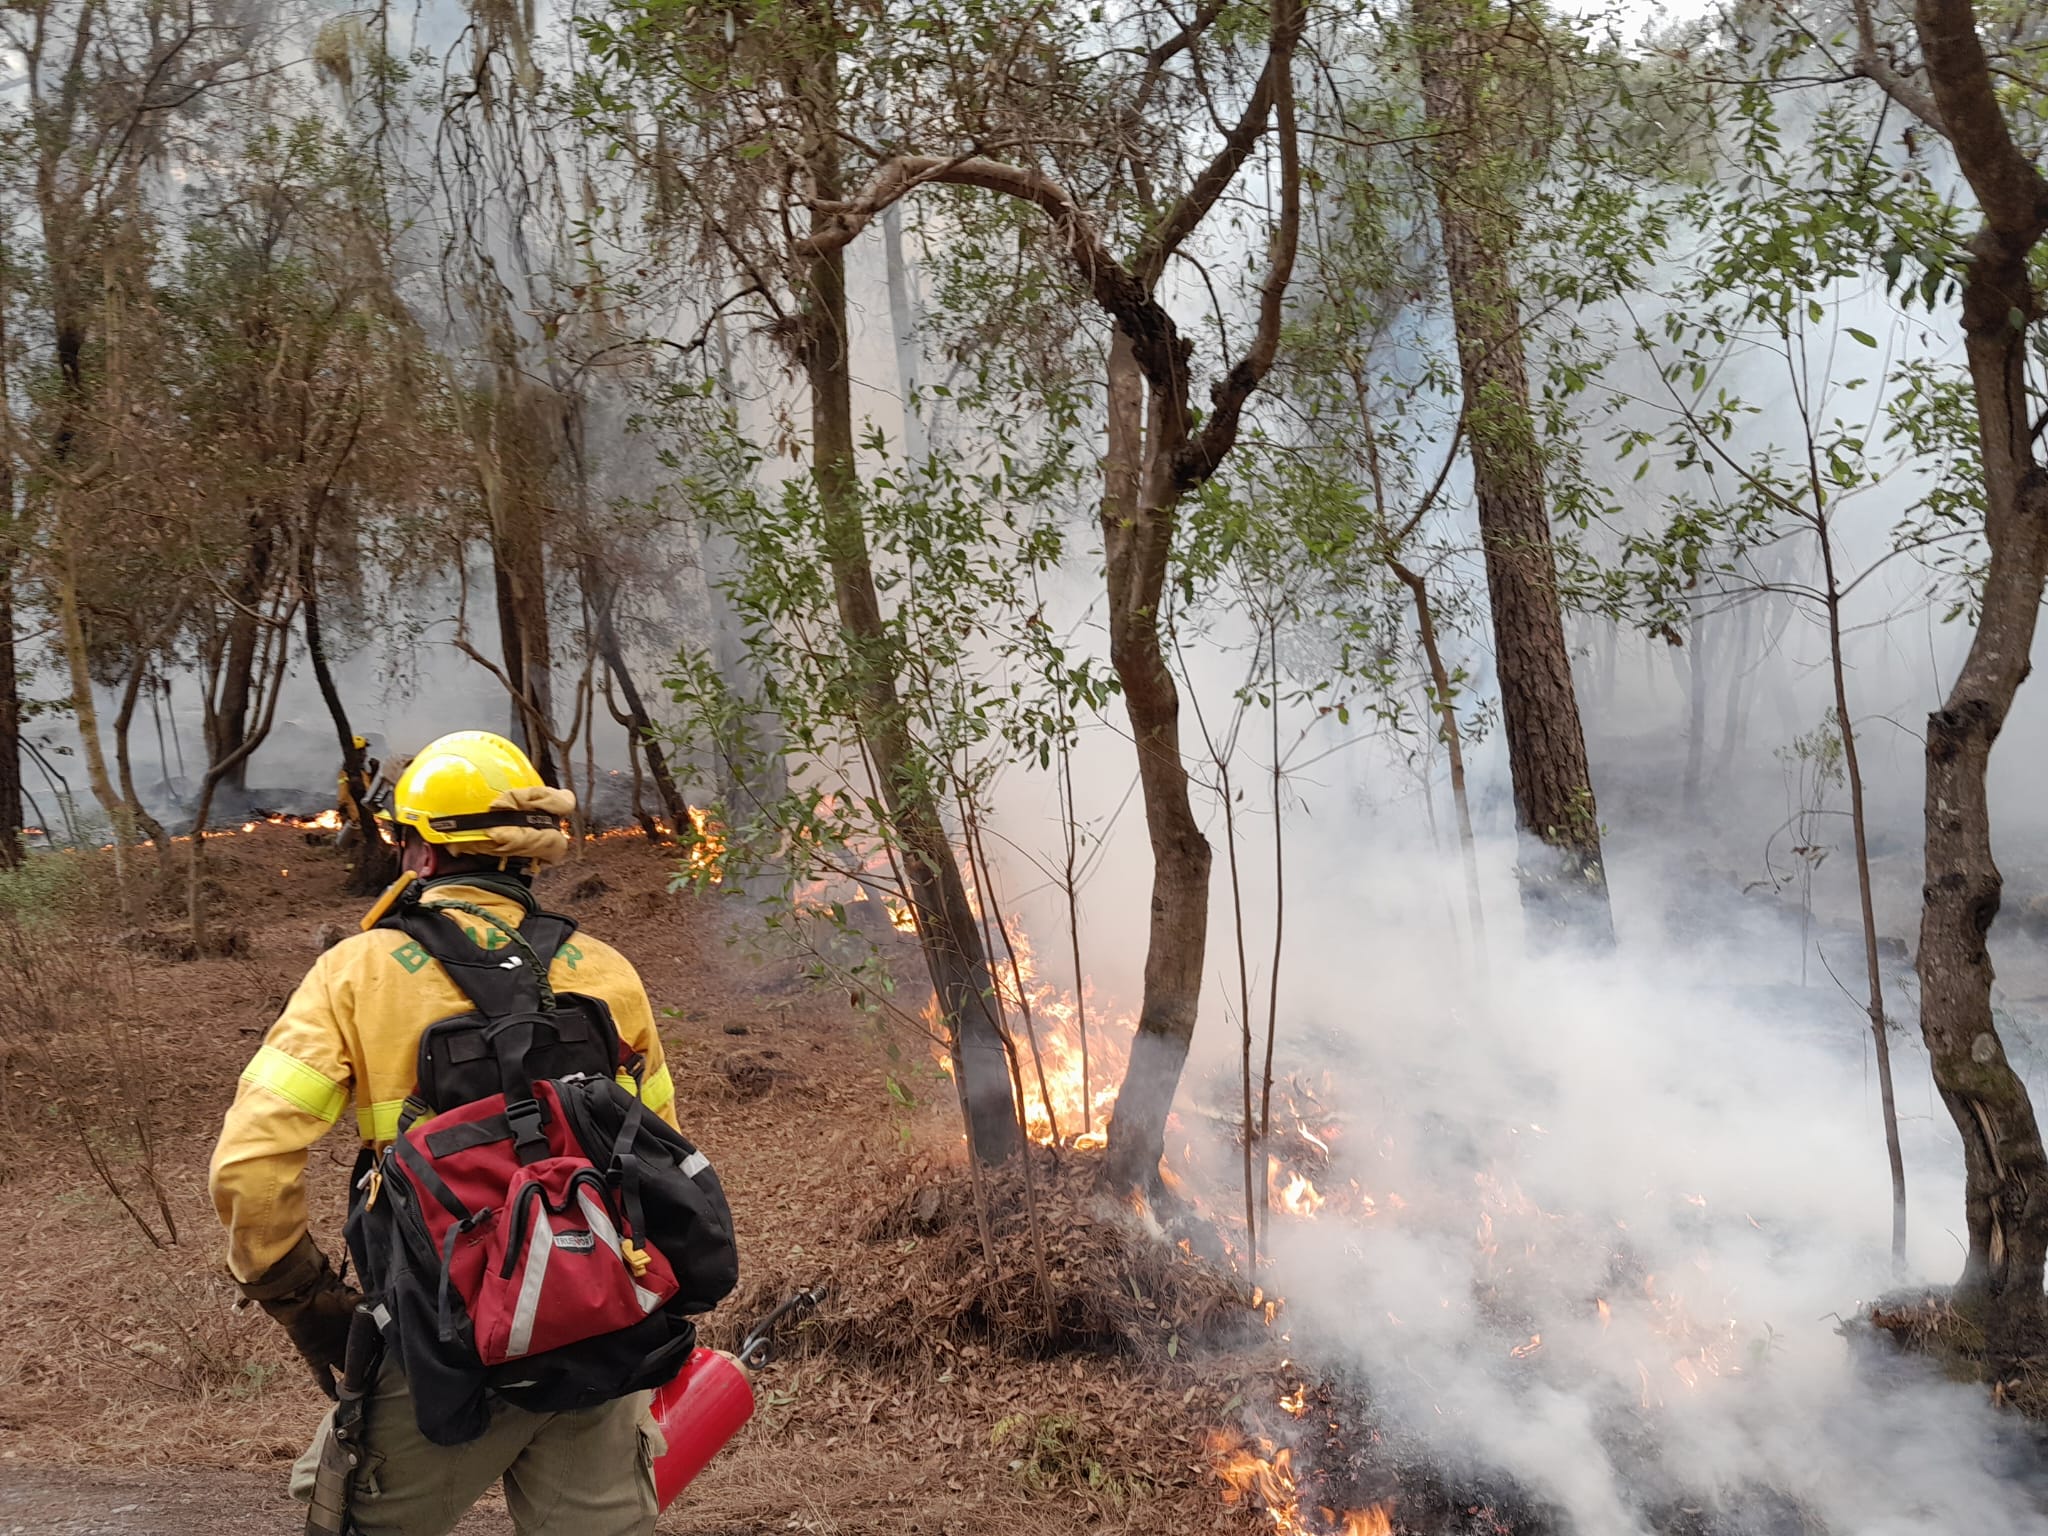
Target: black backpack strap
508, 983
498, 982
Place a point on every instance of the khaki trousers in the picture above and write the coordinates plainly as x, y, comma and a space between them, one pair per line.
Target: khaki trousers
588, 1473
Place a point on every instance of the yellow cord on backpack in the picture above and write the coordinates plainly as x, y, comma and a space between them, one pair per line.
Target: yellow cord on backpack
637, 1258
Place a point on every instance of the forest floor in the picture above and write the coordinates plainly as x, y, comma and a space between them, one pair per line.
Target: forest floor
135, 1396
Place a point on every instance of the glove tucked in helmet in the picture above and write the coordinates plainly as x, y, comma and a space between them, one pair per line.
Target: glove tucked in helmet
476, 793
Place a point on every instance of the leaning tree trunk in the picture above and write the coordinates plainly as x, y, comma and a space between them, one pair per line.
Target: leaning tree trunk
376, 864
1561, 871
951, 939
1137, 532
2006, 1189
604, 605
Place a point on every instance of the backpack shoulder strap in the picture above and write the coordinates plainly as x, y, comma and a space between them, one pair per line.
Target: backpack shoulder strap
509, 979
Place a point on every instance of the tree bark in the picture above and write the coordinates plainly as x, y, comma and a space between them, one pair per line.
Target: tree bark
124, 722
603, 606
11, 853
1137, 535
961, 979
1561, 870
519, 568
227, 723
72, 625
376, 864
2006, 1190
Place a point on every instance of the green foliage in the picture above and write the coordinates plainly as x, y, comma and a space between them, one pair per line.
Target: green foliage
47, 891
1059, 1452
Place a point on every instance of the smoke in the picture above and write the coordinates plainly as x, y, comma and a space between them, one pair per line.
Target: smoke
1634, 1204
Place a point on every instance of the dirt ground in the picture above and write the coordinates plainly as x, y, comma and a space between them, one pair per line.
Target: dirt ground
135, 1396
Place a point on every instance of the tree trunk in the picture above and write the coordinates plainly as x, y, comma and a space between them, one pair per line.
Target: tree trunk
10, 695
227, 723
2006, 1190
519, 565
1698, 682
376, 864
1880, 1031
1454, 747
958, 961
10, 682
72, 625
759, 777
124, 722
603, 603
1561, 871
1137, 533
277, 662
903, 329
1738, 667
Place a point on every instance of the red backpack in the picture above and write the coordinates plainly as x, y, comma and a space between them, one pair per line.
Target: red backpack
534, 1232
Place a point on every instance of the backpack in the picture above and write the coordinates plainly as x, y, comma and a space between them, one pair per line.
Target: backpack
534, 1232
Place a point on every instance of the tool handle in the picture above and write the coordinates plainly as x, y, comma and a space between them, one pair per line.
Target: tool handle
365, 1349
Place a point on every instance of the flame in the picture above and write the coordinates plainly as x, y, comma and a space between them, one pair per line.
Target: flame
1045, 1022
1296, 1402
707, 847
1295, 1194
1265, 1477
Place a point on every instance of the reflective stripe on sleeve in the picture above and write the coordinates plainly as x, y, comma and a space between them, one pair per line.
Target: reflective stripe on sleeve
379, 1122
297, 1084
659, 1091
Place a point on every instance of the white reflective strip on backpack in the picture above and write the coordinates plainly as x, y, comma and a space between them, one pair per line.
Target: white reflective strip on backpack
539, 1244
601, 1226
695, 1164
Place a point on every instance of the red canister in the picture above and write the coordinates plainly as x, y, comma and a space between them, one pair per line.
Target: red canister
698, 1413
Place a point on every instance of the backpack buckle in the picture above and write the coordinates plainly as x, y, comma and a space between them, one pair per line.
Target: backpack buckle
528, 1132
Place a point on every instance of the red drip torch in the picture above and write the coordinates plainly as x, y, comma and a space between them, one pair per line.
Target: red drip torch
711, 1397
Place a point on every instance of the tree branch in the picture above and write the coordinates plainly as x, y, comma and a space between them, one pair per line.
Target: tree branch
1201, 457
1180, 221
1154, 337
1873, 66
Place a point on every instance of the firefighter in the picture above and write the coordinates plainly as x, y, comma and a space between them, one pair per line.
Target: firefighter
352, 789
352, 1030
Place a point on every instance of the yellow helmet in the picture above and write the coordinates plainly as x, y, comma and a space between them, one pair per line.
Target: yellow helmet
464, 787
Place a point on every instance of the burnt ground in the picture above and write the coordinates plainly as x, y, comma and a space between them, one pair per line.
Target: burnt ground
135, 1396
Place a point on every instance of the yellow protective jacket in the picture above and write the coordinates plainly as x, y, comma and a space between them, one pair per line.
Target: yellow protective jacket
352, 1029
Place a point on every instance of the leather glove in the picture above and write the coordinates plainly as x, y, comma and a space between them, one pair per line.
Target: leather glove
302, 1293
